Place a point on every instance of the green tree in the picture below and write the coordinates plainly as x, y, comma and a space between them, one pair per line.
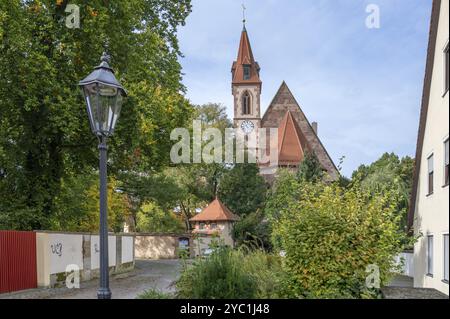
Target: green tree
153, 219
44, 132
386, 175
285, 189
330, 236
213, 115
78, 205
310, 169
198, 182
253, 231
160, 188
242, 189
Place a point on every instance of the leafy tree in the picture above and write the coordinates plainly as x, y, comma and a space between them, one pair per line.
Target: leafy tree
285, 189
253, 231
161, 189
117, 209
78, 205
213, 115
386, 175
242, 189
45, 137
330, 236
198, 182
310, 169
153, 219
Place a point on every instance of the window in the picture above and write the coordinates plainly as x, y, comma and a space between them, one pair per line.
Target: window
446, 177
446, 71
246, 72
446, 258
430, 255
246, 104
213, 225
430, 175
202, 226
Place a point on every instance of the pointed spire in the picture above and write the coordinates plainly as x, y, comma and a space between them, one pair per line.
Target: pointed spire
245, 62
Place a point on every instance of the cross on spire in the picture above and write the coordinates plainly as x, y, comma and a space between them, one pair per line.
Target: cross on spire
243, 14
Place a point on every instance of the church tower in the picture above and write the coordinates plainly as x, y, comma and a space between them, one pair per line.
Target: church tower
246, 88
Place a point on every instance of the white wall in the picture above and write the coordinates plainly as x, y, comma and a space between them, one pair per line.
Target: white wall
64, 249
408, 263
127, 249
432, 211
95, 251
55, 251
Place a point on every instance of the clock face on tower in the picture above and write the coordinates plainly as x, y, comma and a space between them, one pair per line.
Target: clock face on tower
247, 126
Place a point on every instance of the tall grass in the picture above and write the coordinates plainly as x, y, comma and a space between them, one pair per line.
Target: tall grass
231, 274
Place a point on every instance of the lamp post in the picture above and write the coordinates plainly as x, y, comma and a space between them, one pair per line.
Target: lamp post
103, 95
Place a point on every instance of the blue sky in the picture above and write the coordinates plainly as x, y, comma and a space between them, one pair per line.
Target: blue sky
363, 86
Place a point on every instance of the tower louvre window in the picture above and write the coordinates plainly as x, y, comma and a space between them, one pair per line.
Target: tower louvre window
246, 109
246, 72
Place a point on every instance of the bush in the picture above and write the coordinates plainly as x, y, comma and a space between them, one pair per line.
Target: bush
231, 274
330, 236
253, 230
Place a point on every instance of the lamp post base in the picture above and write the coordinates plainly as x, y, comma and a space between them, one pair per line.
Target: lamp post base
103, 293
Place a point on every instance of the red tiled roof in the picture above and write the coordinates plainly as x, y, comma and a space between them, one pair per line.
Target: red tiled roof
283, 102
245, 57
216, 211
291, 142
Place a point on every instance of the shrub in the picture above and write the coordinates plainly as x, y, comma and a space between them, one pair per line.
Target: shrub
330, 236
230, 274
253, 229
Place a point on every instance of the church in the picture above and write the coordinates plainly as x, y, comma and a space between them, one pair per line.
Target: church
296, 135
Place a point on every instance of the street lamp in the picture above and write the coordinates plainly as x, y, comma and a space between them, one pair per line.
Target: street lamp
104, 96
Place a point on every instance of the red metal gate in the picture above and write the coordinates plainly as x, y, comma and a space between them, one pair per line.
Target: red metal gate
17, 261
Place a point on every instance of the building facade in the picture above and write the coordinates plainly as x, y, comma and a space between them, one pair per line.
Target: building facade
429, 214
296, 135
215, 222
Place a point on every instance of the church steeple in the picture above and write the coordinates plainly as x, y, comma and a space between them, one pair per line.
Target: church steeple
245, 69
246, 87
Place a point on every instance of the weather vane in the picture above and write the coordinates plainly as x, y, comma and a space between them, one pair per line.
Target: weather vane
243, 13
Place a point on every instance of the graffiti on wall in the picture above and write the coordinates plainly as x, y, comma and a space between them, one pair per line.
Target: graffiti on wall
57, 249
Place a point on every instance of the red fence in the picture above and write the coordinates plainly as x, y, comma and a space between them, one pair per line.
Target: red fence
17, 261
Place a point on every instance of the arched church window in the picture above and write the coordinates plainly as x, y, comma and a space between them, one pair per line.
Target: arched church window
246, 110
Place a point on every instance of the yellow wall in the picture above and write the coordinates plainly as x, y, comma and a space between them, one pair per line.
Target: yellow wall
156, 247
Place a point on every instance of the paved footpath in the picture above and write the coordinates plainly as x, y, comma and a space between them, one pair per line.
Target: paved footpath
157, 274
